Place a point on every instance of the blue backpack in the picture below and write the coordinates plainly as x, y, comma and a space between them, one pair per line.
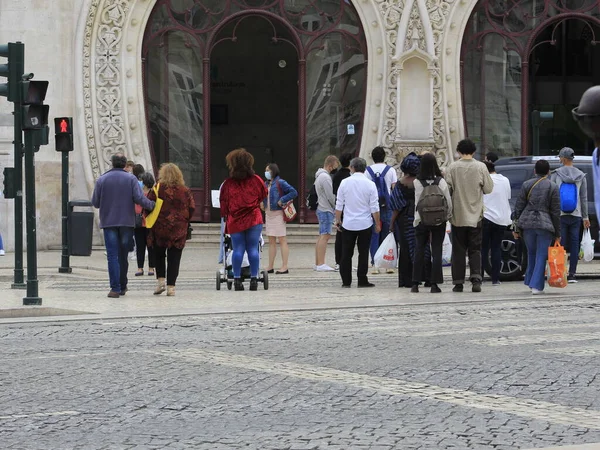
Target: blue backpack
382, 190
568, 197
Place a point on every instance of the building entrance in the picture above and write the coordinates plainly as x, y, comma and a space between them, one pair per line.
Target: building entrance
254, 97
533, 56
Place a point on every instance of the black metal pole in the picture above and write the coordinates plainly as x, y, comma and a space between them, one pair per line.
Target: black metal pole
65, 265
18, 158
31, 221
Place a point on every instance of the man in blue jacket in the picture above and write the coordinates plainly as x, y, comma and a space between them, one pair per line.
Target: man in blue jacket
116, 193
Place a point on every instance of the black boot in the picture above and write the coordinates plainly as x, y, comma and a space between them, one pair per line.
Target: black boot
415, 288
238, 285
253, 284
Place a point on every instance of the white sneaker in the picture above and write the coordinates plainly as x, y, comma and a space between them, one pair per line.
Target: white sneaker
536, 291
337, 268
2, 253
390, 271
375, 270
324, 268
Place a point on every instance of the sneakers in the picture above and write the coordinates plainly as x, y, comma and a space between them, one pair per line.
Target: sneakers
390, 271
238, 285
324, 268
476, 287
536, 291
571, 279
414, 289
458, 288
496, 283
337, 268
2, 253
375, 270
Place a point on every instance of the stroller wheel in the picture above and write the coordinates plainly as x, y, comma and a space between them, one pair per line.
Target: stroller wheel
218, 280
265, 280
229, 285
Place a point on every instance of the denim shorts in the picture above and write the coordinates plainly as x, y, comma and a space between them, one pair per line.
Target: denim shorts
325, 222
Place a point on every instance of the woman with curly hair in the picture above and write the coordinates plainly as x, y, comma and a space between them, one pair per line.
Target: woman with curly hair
241, 196
168, 235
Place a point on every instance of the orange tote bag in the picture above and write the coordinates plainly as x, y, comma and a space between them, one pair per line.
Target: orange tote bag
557, 257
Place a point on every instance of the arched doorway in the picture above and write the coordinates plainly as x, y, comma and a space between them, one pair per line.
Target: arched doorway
286, 79
523, 57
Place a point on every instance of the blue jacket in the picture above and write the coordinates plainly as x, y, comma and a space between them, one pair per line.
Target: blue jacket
116, 194
289, 193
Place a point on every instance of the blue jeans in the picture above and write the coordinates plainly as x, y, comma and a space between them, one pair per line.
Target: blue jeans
221, 249
570, 229
537, 242
246, 242
385, 215
1, 243
118, 242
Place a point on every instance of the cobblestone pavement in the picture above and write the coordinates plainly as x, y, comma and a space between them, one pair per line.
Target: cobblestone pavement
507, 375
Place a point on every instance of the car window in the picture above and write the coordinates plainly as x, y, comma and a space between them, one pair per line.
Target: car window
589, 176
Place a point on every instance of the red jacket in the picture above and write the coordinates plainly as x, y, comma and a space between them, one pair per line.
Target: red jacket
240, 203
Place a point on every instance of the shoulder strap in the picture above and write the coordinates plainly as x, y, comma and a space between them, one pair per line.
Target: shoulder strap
436, 181
371, 172
155, 189
385, 170
279, 188
534, 185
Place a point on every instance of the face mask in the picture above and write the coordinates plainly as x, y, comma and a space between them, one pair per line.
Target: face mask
268, 175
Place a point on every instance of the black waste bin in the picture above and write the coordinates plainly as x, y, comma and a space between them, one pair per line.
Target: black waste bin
81, 227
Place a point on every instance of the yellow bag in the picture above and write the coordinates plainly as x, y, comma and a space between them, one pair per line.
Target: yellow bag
556, 263
153, 216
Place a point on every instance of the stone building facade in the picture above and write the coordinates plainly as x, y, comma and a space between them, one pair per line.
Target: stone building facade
91, 52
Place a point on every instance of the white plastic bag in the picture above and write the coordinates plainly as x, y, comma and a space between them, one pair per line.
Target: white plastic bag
447, 247
587, 246
386, 256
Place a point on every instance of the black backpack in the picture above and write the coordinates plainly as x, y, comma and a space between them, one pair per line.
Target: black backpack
432, 206
312, 199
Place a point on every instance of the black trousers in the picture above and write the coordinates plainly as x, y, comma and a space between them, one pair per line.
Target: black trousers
141, 235
466, 241
423, 235
338, 247
350, 239
173, 256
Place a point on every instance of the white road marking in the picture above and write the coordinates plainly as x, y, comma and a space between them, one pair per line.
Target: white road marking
537, 339
588, 350
531, 409
48, 414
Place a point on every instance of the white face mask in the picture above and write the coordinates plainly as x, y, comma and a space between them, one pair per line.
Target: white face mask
268, 175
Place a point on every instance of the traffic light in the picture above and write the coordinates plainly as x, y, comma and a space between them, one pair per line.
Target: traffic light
13, 70
10, 186
63, 134
35, 113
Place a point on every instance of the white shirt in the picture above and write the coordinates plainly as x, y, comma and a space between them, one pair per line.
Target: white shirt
357, 197
391, 177
496, 207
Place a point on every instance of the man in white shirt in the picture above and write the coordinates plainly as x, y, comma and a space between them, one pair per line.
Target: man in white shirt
496, 217
357, 198
385, 178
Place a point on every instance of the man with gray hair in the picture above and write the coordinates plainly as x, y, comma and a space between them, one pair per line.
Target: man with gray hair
116, 193
358, 200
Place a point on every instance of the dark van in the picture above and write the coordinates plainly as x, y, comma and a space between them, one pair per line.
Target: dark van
518, 170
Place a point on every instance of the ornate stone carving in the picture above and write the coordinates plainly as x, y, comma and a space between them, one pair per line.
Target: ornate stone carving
438, 12
104, 90
414, 33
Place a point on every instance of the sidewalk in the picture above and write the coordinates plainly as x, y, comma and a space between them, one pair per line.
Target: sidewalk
82, 294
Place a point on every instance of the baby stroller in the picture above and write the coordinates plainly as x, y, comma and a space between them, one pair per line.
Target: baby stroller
225, 275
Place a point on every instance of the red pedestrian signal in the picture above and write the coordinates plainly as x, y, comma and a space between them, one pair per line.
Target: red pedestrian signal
63, 134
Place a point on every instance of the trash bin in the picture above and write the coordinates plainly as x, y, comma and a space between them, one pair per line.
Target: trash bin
81, 227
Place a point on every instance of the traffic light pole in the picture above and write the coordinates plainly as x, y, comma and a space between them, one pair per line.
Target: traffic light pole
31, 221
18, 148
65, 265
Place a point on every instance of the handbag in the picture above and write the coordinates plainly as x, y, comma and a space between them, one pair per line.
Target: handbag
153, 216
556, 264
289, 210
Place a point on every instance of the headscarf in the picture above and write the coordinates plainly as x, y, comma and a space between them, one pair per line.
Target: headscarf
411, 164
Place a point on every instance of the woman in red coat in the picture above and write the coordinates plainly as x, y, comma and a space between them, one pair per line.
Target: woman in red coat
241, 196
167, 236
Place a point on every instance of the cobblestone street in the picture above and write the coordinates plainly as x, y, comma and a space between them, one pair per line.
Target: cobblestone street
507, 375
